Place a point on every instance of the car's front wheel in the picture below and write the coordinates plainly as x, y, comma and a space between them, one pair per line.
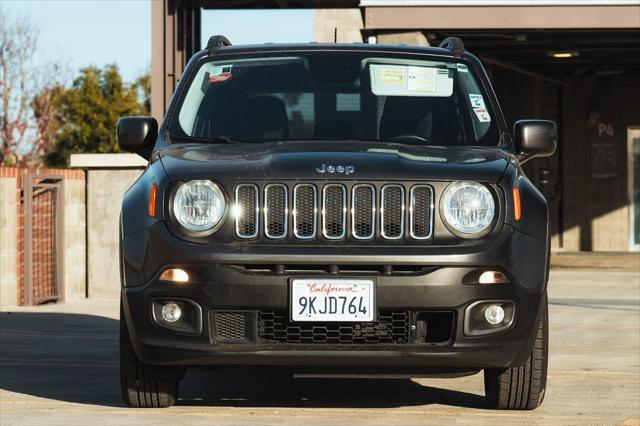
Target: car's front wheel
521, 387
143, 386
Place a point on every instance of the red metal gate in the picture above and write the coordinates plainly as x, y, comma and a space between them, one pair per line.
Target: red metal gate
43, 204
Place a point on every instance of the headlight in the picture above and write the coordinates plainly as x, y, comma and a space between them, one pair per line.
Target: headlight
468, 207
199, 205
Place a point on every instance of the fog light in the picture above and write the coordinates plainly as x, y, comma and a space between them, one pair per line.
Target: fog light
171, 312
494, 314
175, 274
492, 277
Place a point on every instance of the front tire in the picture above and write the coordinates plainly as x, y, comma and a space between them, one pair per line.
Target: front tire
522, 387
141, 387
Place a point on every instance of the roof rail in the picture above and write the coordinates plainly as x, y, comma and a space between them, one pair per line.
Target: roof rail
216, 42
454, 44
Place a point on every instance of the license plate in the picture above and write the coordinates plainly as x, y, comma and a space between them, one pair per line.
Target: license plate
333, 300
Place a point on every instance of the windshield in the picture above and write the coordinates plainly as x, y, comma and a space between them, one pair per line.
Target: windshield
336, 96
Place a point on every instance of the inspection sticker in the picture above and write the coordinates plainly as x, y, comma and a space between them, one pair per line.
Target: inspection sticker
482, 114
462, 68
220, 73
476, 101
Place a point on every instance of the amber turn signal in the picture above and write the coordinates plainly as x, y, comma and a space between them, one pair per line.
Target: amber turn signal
175, 274
152, 200
517, 210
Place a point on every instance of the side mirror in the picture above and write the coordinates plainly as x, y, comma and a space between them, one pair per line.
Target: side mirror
137, 135
535, 138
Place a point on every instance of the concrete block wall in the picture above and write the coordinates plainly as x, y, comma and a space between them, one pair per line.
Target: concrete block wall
105, 189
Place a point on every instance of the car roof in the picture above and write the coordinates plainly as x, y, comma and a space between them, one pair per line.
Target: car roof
356, 47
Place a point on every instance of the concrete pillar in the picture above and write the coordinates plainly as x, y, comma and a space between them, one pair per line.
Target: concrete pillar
348, 23
75, 264
410, 38
105, 189
8, 238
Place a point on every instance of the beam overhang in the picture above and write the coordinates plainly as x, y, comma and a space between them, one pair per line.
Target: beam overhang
500, 17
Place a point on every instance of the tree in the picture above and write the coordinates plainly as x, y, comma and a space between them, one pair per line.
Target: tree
44, 106
89, 110
17, 48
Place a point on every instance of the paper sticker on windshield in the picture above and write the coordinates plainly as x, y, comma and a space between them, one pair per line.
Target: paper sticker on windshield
477, 101
220, 73
406, 80
421, 79
393, 75
461, 67
482, 114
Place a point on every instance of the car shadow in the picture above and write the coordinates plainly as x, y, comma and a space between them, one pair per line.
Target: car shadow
74, 358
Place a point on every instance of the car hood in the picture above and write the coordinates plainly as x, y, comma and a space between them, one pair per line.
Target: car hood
358, 160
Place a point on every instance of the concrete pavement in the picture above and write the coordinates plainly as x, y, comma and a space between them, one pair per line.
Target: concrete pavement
59, 365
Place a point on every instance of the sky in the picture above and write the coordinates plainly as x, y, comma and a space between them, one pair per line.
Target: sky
78, 33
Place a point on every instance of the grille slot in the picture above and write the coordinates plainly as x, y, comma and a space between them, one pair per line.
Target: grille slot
230, 325
363, 215
421, 212
247, 219
392, 212
304, 211
390, 327
276, 211
334, 211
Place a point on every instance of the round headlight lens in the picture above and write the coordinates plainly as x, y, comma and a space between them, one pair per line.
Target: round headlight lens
199, 205
468, 207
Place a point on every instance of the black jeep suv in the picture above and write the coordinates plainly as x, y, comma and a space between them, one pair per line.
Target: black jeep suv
340, 208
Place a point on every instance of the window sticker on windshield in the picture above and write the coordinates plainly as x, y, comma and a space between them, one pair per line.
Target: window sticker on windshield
393, 75
220, 73
482, 114
462, 68
477, 101
410, 80
421, 79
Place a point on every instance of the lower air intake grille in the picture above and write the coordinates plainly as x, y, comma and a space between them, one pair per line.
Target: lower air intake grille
390, 327
230, 325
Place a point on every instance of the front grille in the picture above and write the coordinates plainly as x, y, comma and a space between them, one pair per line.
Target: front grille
421, 207
363, 204
392, 225
390, 327
304, 211
247, 219
363, 211
334, 211
276, 211
230, 325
